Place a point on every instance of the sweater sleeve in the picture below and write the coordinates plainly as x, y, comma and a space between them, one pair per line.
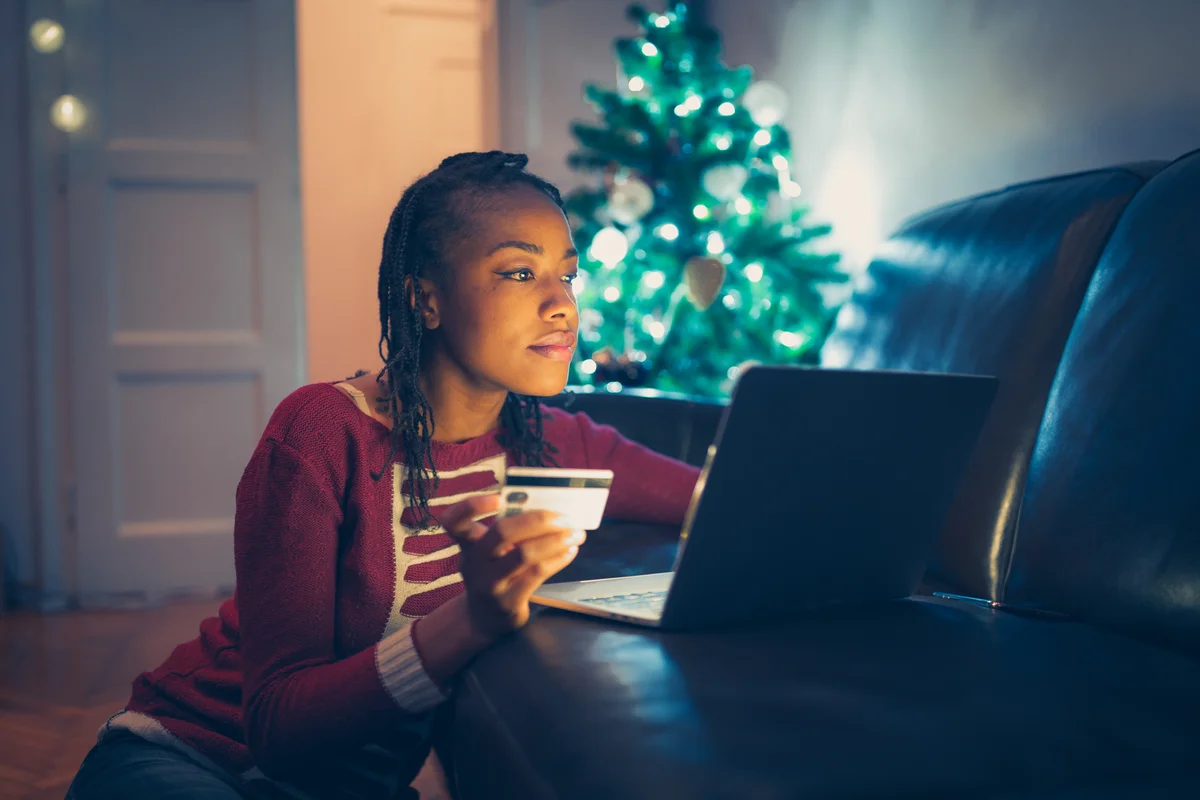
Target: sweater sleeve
298, 699
647, 486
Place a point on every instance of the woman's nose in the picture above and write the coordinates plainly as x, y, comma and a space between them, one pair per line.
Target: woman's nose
560, 303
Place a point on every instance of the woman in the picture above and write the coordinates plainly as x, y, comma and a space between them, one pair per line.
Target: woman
368, 574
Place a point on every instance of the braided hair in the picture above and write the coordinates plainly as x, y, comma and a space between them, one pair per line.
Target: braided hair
432, 213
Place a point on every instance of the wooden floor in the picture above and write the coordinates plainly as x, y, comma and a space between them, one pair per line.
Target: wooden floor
63, 675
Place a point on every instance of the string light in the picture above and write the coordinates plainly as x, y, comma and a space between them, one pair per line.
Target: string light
612, 294
654, 279
609, 246
700, 211
762, 138
68, 114
754, 272
723, 141
789, 339
743, 205
636, 83
668, 231
726, 109
46, 36
649, 50
692, 103
716, 243
587, 366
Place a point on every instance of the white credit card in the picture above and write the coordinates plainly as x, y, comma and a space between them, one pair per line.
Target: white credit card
578, 495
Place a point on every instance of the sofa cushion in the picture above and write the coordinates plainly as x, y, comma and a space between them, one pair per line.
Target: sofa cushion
988, 285
917, 698
1110, 527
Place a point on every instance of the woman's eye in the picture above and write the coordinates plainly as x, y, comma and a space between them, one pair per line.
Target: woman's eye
570, 278
522, 275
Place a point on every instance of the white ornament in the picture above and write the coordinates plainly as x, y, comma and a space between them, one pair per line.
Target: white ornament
68, 114
609, 246
590, 319
767, 103
723, 181
630, 200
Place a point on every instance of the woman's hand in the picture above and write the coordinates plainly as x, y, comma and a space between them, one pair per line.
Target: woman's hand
502, 564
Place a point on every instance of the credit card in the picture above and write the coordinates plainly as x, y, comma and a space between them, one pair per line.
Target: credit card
578, 495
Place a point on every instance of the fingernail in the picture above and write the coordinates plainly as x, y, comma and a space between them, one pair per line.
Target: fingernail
577, 537
572, 551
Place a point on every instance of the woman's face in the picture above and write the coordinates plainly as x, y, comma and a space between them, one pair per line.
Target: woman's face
506, 315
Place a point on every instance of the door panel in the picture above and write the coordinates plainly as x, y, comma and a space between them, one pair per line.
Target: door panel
185, 278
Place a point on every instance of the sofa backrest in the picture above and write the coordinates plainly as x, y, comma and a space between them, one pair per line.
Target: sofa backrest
1110, 526
677, 426
987, 285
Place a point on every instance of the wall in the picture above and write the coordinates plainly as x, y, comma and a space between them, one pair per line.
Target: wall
16, 477
897, 105
548, 49
387, 89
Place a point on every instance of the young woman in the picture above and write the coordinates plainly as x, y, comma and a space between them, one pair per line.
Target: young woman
370, 567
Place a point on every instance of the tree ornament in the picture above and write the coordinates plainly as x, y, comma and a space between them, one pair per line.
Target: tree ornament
724, 181
767, 103
629, 199
703, 277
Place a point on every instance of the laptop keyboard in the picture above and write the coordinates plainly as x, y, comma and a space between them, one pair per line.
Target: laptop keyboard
651, 602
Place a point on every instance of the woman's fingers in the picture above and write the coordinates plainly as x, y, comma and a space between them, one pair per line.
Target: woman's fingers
461, 520
508, 532
524, 582
537, 559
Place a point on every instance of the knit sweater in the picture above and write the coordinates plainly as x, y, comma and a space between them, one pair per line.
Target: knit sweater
310, 674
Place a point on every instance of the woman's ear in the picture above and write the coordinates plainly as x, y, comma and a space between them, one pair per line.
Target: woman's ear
423, 298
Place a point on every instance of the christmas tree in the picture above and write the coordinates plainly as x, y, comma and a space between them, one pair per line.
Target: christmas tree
696, 252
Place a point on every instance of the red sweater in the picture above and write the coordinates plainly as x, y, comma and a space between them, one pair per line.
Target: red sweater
309, 672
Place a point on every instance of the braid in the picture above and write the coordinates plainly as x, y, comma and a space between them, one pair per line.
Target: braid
521, 419
431, 214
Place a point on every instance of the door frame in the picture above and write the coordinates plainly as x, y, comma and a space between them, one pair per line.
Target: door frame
50, 460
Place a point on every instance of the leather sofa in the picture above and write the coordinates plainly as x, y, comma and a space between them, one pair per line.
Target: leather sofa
1055, 651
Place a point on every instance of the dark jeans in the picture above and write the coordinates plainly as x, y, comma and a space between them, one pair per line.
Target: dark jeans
127, 766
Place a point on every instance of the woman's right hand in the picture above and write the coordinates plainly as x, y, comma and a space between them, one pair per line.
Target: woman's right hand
504, 563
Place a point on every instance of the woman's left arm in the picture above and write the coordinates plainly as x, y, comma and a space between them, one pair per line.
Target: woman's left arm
647, 486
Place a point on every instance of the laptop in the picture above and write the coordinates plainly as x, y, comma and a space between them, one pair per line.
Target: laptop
823, 487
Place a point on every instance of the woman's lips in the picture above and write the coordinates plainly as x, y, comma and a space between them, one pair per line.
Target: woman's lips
554, 352
557, 345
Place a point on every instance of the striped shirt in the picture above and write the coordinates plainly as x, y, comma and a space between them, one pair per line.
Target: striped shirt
309, 678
